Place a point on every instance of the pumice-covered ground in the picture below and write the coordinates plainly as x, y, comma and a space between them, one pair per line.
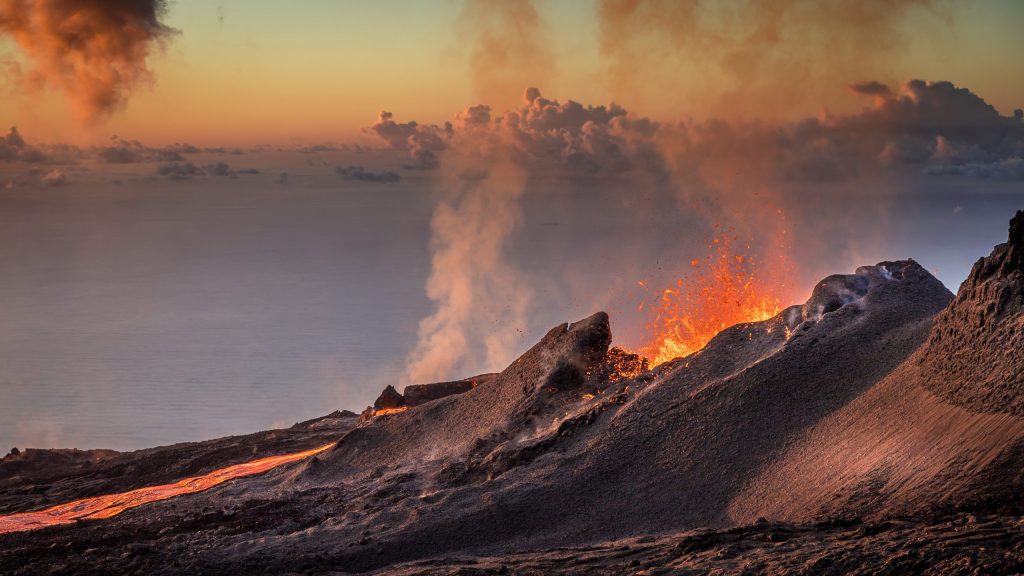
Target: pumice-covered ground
876, 428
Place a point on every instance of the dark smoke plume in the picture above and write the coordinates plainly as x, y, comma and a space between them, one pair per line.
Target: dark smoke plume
95, 51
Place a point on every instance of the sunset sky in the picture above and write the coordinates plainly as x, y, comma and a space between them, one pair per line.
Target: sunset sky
243, 72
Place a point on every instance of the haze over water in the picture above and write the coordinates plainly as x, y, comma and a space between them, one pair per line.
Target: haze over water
144, 313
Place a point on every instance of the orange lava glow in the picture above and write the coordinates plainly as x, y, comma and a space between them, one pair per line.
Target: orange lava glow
101, 507
723, 289
386, 411
624, 364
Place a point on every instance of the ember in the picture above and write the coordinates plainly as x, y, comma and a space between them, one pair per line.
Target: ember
623, 364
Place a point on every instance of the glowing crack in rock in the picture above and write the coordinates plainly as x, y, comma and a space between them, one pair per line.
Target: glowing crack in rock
101, 507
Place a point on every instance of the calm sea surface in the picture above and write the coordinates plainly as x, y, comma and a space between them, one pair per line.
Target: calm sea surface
141, 314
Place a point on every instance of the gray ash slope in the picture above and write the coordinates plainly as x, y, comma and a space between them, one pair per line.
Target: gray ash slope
943, 431
858, 404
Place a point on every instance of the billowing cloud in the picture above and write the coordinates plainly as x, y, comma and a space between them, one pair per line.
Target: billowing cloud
924, 123
507, 46
917, 124
180, 170
14, 147
933, 109
364, 175
540, 131
123, 151
319, 148
185, 170
95, 51
219, 169
394, 133
757, 59
183, 149
422, 141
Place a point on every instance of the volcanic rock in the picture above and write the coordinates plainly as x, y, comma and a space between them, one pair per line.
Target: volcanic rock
838, 290
389, 398
973, 358
505, 406
333, 420
416, 394
834, 292
619, 364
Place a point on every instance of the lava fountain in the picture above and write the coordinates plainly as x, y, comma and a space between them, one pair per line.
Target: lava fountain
728, 286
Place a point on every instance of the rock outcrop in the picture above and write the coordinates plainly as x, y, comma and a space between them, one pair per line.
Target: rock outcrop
389, 398
943, 432
416, 394
973, 357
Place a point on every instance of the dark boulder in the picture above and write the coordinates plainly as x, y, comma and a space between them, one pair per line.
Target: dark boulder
389, 398
417, 394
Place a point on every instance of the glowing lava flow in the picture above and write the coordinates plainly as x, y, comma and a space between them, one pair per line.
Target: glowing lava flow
724, 289
100, 507
386, 411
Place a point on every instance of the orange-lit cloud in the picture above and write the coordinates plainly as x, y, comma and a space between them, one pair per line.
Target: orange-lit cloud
755, 58
14, 147
507, 48
95, 51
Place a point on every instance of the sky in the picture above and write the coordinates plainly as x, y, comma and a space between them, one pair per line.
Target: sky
247, 72
220, 217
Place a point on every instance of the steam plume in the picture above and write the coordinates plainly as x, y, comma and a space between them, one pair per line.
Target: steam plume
480, 299
508, 48
737, 50
93, 50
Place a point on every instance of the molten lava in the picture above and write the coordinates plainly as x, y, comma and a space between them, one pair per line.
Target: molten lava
386, 411
724, 289
100, 507
622, 364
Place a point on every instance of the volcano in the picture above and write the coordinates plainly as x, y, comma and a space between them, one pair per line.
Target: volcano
878, 427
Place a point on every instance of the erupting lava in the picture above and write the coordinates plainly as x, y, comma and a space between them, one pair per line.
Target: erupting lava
725, 288
100, 507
